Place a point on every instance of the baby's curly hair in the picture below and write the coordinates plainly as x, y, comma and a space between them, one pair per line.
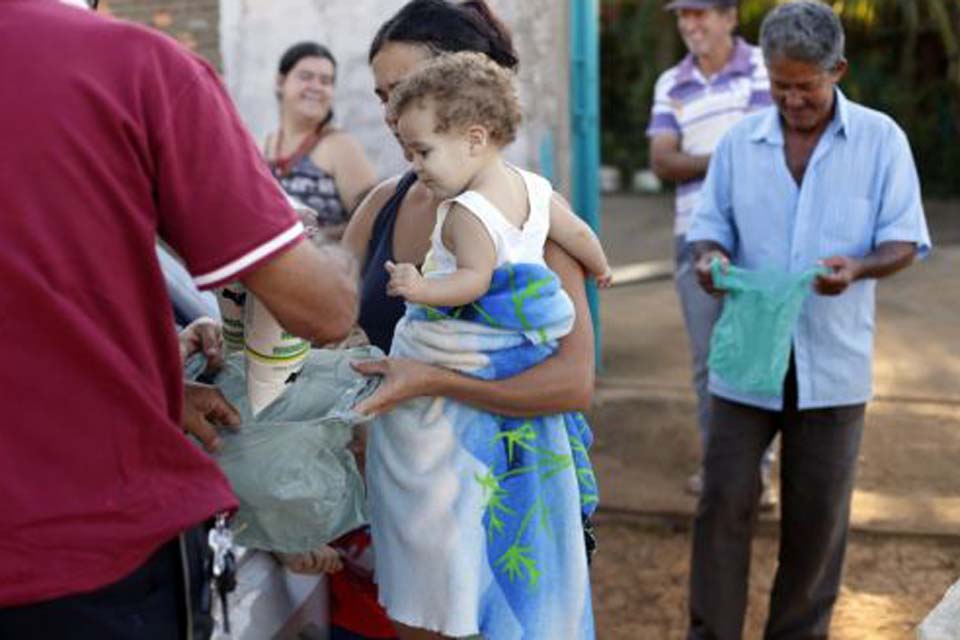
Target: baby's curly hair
466, 88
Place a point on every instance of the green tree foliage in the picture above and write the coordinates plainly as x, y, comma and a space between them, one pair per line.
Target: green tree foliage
904, 60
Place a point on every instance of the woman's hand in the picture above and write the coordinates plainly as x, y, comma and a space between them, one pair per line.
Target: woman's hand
403, 379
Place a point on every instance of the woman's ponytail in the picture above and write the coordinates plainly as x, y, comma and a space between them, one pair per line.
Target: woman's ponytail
501, 42
449, 27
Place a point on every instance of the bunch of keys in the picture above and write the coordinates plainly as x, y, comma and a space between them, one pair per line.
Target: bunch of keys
223, 566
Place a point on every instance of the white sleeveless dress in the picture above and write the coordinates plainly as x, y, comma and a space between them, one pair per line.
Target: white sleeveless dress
426, 509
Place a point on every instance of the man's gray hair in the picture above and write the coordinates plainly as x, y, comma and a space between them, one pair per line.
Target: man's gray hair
806, 31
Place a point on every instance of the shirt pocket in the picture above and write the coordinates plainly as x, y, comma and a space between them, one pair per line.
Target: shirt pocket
848, 227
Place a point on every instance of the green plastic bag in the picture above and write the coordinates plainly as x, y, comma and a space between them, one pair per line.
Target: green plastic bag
297, 484
750, 346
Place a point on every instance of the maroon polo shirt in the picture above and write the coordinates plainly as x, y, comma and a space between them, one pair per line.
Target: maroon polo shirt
110, 135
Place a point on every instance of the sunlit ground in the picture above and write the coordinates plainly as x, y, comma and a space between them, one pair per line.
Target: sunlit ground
640, 584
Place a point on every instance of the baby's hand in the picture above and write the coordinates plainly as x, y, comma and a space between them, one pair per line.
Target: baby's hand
605, 279
322, 560
405, 281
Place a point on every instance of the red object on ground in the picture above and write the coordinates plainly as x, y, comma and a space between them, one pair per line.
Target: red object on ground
353, 594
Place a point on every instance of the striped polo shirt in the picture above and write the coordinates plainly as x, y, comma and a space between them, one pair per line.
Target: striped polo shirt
700, 110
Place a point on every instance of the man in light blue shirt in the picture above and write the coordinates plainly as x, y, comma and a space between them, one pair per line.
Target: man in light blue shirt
818, 180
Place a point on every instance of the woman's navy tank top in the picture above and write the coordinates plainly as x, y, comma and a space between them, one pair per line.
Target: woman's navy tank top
380, 313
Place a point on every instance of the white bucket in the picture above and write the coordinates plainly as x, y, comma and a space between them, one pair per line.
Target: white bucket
231, 299
272, 354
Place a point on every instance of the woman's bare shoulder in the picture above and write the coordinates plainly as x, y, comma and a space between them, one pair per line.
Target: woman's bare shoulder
377, 197
360, 227
341, 140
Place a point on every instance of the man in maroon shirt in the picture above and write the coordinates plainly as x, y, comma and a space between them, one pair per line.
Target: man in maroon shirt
114, 135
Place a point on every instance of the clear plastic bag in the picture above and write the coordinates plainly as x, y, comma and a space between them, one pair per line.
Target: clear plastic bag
750, 346
297, 484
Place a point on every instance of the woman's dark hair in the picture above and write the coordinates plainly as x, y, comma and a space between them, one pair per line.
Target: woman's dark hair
302, 50
449, 27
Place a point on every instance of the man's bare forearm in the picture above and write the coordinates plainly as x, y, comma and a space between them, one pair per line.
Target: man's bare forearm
886, 259
678, 166
312, 292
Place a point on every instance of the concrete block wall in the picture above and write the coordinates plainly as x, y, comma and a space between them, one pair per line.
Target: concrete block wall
254, 33
245, 38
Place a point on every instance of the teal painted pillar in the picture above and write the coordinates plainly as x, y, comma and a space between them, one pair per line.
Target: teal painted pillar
585, 125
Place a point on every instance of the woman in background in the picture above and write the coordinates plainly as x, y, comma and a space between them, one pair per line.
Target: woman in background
321, 166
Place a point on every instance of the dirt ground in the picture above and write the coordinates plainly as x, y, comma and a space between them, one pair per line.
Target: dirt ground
640, 583
905, 550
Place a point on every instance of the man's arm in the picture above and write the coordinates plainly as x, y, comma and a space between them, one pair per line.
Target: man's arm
670, 163
901, 233
712, 230
312, 292
887, 259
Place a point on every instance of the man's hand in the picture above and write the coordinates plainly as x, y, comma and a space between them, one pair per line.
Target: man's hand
204, 409
402, 380
704, 270
405, 281
843, 271
205, 336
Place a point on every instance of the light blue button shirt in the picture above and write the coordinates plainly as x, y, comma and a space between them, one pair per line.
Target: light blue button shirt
860, 189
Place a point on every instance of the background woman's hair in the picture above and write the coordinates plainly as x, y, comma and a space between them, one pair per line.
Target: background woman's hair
302, 50
449, 27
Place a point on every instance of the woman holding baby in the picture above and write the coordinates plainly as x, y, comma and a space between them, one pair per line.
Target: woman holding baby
394, 224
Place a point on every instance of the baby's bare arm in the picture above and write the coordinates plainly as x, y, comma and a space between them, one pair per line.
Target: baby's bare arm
466, 238
579, 240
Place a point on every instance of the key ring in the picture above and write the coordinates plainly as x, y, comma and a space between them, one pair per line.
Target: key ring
223, 564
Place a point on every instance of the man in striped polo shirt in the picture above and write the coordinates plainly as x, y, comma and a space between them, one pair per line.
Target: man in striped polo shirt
695, 102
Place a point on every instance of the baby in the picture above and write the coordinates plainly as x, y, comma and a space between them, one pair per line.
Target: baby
454, 118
